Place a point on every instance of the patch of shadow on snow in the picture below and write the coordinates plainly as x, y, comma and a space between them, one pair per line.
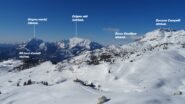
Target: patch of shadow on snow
10, 102
178, 57
154, 101
160, 83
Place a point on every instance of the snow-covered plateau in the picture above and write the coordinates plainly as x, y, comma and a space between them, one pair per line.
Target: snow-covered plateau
148, 71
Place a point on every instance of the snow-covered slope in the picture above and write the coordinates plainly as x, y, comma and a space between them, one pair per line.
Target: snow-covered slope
9, 65
165, 36
154, 79
143, 72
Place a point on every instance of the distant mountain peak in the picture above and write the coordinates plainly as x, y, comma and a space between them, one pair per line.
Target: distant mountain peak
34, 44
160, 34
75, 41
57, 51
35, 40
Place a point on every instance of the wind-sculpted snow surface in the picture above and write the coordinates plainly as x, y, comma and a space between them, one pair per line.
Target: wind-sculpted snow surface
149, 71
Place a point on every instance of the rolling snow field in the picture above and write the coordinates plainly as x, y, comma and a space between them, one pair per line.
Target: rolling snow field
143, 77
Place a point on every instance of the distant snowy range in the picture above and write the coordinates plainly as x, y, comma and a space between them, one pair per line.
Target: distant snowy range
150, 70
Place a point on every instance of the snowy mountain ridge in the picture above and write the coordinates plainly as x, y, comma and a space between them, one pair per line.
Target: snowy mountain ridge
148, 71
79, 42
157, 39
71, 43
167, 35
53, 51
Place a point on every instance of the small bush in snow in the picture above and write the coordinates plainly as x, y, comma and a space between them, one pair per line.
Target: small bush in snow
177, 93
25, 84
29, 82
45, 83
183, 45
18, 84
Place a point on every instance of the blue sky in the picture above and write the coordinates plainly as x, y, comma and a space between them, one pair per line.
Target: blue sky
126, 15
